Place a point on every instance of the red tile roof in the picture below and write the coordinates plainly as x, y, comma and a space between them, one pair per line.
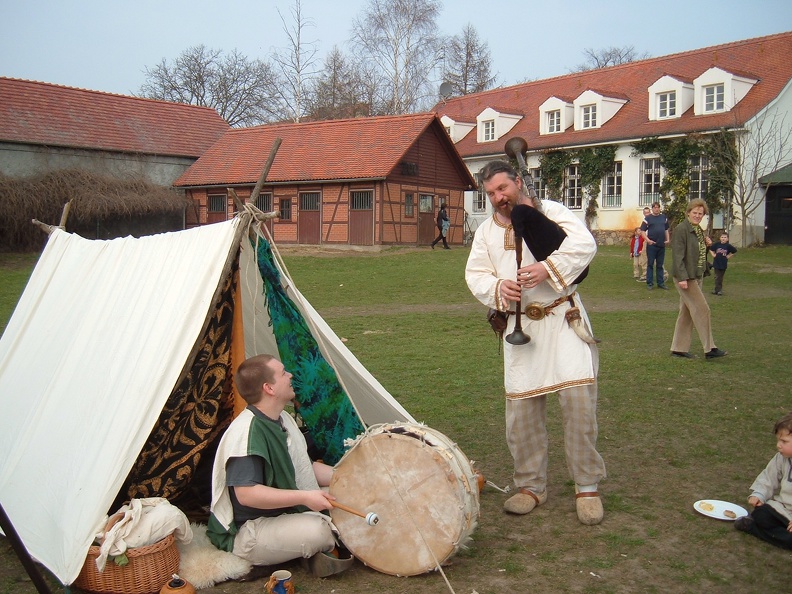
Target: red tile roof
361, 148
53, 115
768, 59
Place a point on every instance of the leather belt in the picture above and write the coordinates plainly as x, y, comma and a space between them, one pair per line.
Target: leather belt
536, 311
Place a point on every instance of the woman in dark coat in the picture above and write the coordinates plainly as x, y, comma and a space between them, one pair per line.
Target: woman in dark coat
689, 246
443, 224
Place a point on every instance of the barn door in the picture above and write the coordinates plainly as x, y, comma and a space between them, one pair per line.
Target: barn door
361, 217
309, 222
427, 229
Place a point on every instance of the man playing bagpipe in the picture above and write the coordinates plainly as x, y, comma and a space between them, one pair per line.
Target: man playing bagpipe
560, 354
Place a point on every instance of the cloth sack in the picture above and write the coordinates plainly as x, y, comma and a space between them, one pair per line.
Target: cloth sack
142, 522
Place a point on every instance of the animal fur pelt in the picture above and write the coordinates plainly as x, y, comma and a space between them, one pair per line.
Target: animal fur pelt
204, 565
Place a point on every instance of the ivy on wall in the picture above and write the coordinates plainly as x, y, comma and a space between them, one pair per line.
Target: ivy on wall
553, 164
675, 156
594, 164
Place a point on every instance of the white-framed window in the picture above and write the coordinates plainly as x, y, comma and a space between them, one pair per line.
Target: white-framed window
589, 116
488, 130
573, 191
554, 121
264, 202
713, 98
539, 183
480, 200
699, 177
666, 105
650, 182
612, 196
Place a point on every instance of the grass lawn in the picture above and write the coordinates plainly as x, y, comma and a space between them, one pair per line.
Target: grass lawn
671, 431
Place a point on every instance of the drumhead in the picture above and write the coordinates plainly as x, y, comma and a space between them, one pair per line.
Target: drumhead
424, 494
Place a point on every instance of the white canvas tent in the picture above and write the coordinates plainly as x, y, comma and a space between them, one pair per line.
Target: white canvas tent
95, 346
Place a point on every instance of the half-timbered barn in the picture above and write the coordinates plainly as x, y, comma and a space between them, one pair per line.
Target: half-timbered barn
359, 182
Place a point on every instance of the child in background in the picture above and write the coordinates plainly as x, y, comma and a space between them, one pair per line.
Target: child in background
721, 251
771, 494
638, 255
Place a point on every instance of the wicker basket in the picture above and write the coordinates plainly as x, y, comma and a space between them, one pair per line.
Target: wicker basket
149, 568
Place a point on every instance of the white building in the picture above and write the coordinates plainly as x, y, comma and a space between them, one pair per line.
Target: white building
743, 87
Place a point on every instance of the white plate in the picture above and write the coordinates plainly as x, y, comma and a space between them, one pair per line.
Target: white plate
718, 507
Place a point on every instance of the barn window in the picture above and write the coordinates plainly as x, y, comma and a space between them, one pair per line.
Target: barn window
217, 203
309, 201
264, 202
426, 203
409, 205
285, 209
361, 200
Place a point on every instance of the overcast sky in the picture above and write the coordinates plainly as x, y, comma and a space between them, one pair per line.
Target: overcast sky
106, 45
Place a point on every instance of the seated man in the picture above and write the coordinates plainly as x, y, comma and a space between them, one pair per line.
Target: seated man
266, 496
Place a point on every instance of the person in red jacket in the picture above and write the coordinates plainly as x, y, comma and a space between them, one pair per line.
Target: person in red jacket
638, 255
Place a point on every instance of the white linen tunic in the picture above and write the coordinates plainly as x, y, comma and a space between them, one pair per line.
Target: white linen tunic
556, 358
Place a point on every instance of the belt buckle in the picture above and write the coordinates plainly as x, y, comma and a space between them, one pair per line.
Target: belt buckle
535, 311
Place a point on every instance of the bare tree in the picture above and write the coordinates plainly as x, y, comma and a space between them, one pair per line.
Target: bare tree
468, 63
340, 90
748, 154
609, 56
400, 37
242, 91
296, 65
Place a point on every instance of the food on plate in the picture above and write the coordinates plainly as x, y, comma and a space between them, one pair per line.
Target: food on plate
706, 506
729, 514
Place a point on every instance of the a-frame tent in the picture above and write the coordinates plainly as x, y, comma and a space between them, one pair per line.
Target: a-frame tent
115, 374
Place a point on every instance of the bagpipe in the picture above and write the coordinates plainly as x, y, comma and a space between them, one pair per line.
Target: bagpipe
542, 236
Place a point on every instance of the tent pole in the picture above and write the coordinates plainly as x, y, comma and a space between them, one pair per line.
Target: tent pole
22, 553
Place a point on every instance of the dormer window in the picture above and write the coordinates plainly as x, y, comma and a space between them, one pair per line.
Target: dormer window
456, 130
589, 116
718, 90
488, 130
713, 98
593, 109
492, 124
555, 115
670, 97
554, 121
666, 105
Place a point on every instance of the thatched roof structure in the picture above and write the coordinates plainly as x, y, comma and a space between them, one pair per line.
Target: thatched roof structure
94, 199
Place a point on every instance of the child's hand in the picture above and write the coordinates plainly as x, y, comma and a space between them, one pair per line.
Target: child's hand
789, 527
755, 501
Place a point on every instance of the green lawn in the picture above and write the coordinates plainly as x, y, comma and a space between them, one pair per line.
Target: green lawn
671, 431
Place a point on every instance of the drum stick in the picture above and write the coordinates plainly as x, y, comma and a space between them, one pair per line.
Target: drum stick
371, 518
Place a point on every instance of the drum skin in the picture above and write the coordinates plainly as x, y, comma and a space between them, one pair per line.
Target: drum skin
421, 487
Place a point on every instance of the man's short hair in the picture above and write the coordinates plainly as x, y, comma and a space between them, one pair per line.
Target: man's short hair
657, 204
251, 376
494, 167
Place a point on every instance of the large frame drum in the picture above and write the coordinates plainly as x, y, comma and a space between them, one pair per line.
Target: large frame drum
422, 488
